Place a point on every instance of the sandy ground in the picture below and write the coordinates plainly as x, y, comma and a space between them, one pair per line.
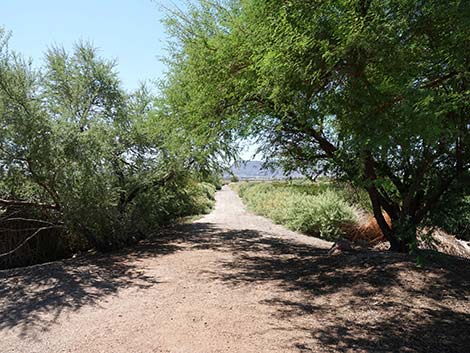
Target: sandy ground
235, 282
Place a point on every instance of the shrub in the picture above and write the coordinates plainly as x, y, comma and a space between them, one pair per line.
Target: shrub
216, 180
315, 209
234, 178
323, 215
453, 215
201, 198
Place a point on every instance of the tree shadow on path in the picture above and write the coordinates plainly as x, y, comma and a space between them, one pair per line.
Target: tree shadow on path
355, 302
363, 301
33, 298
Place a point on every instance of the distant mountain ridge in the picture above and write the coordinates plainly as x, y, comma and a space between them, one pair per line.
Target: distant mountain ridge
254, 170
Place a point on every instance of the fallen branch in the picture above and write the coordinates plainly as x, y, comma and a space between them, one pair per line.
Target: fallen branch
29, 220
27, 203
39, 230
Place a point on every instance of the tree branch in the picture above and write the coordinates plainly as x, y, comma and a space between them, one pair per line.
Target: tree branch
4, 202
39, 230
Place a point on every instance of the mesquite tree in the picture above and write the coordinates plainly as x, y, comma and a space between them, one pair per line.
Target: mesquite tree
376, 91
92, 158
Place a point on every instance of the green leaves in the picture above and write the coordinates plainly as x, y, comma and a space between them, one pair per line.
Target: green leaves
82, 86
110, 161
323, 84
314, 209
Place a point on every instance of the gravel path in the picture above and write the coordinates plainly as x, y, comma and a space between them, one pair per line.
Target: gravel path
234, 282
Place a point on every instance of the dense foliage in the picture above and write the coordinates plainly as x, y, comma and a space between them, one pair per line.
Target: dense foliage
372, 91
314, 209
453, 215
80, 154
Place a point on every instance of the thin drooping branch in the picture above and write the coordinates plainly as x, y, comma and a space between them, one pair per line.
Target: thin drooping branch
23, 219
52, 193
24, 242
4, 202
160, 182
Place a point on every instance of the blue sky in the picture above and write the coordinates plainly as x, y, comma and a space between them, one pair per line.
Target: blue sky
129, 31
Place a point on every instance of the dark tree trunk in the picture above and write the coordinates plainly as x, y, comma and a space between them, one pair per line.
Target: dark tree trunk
404, 234
401, 233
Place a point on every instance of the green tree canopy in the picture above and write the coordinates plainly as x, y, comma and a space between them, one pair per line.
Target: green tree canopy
375, 91
82, 154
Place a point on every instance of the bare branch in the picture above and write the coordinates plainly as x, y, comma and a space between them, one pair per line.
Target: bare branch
39, 230
29, 220
4, 202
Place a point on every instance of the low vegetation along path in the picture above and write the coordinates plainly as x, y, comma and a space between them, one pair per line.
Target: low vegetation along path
235, 282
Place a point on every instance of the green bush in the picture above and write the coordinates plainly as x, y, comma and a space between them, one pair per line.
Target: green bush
216, 180
314, 209
201, 198
323, 215
107, 170
453, 215
234, 178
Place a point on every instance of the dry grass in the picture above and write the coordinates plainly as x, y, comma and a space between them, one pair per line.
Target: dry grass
366, 229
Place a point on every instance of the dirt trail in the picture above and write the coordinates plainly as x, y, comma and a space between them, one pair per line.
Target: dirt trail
235, 282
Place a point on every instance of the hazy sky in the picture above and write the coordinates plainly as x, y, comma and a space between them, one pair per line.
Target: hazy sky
129, 31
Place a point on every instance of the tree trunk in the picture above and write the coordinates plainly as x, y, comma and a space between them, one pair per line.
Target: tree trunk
401, 234
405, 231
